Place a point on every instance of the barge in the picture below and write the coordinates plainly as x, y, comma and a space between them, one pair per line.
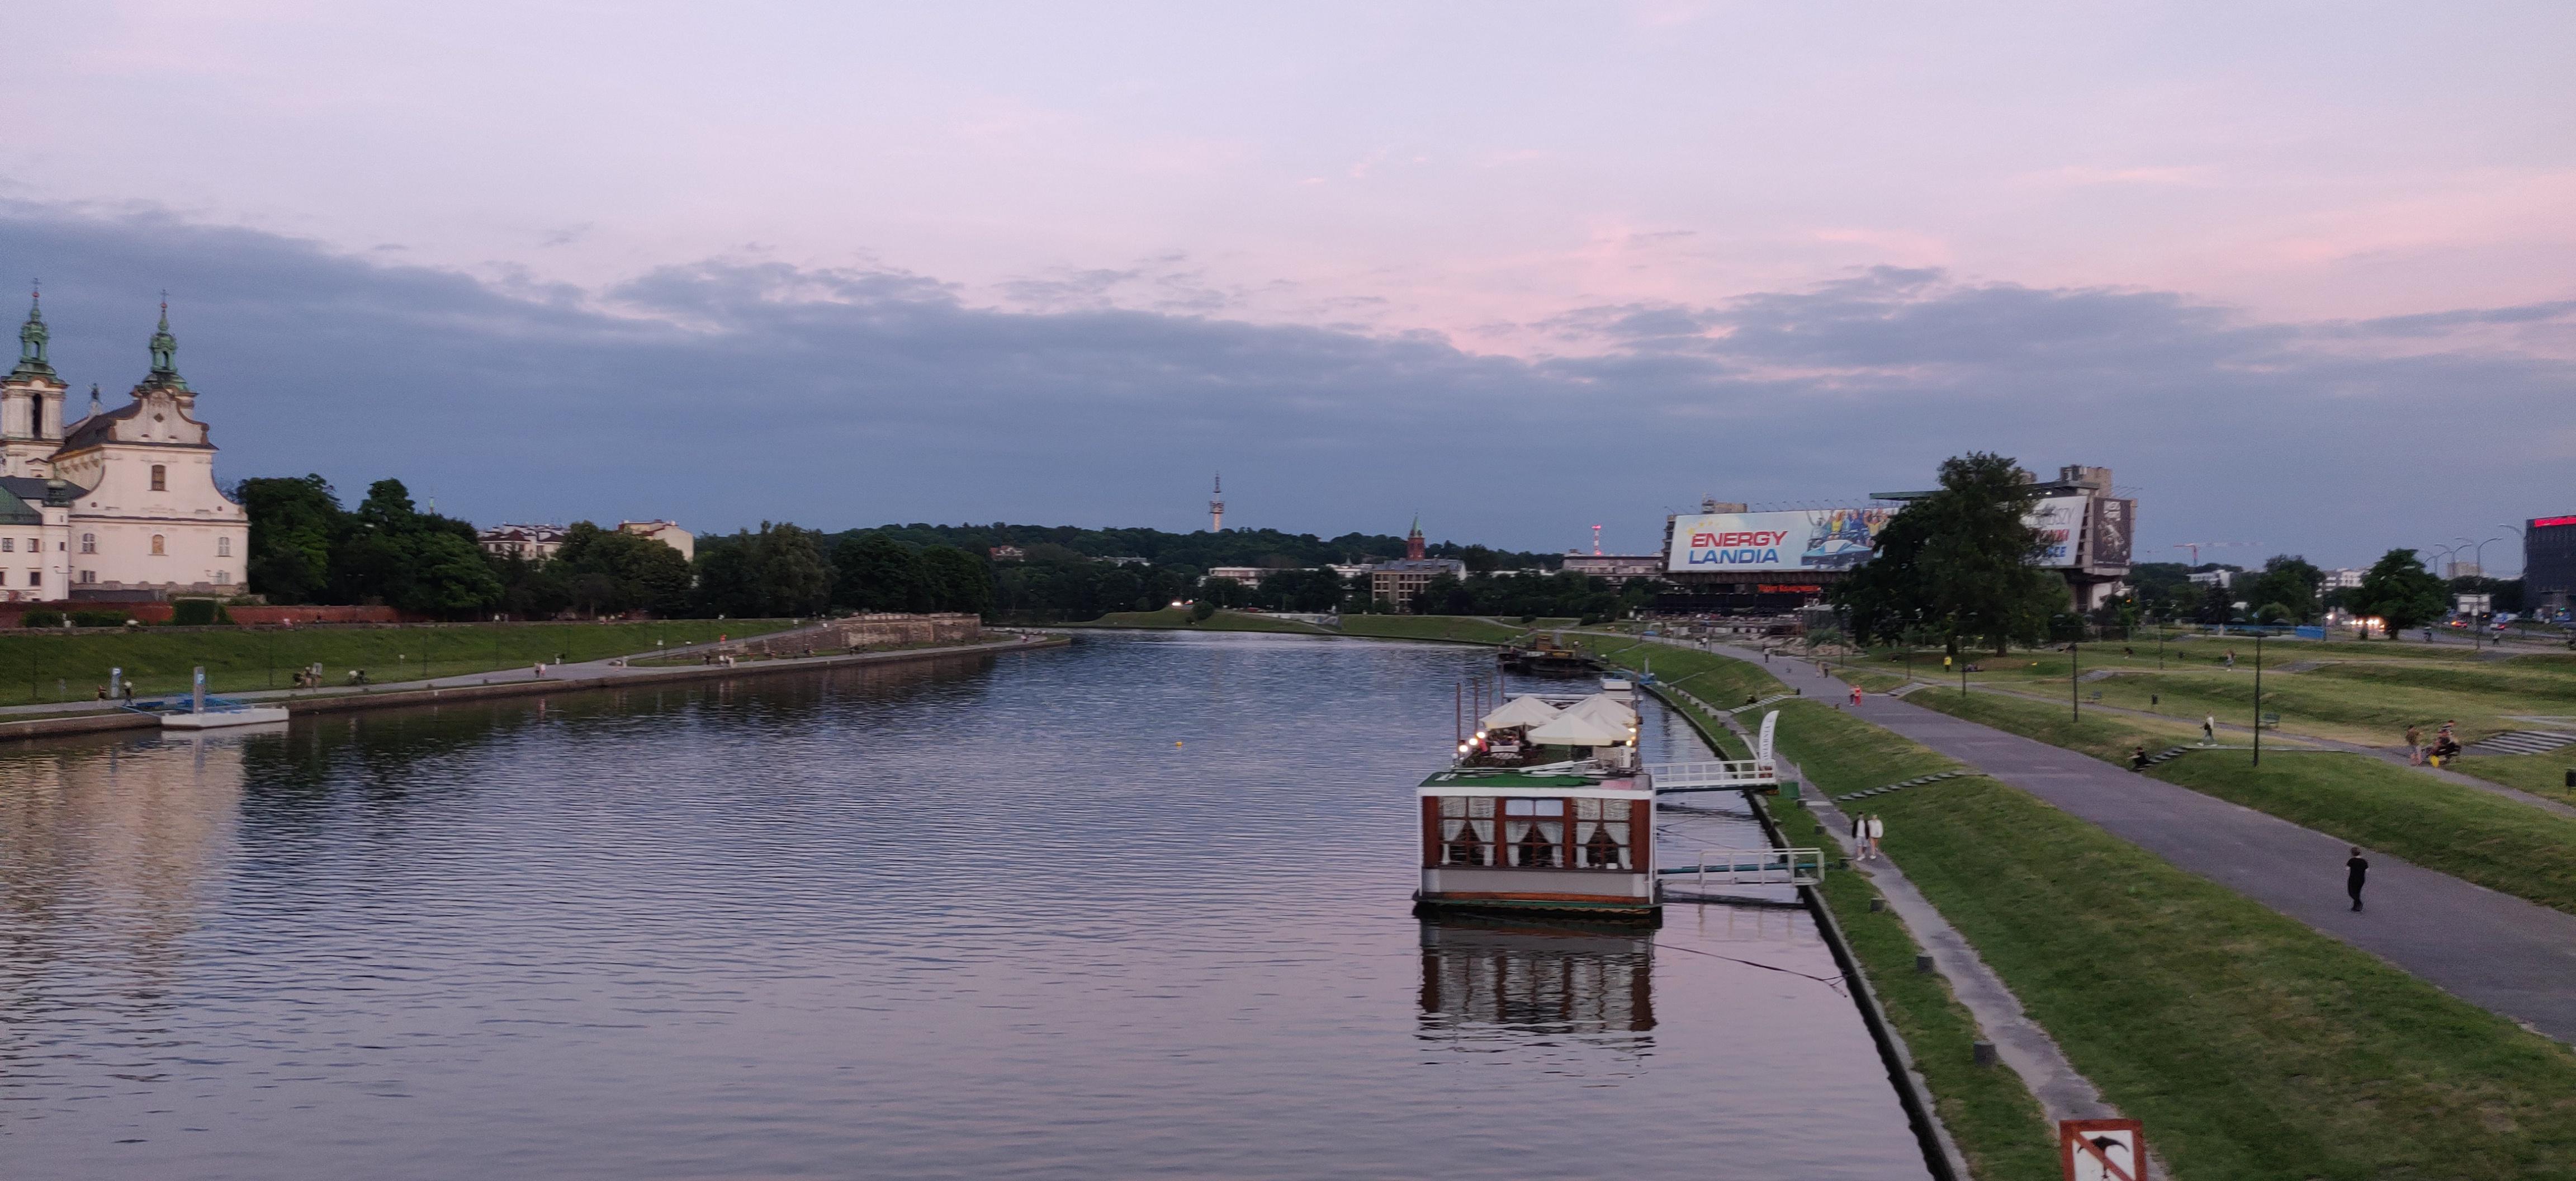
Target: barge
1511, 828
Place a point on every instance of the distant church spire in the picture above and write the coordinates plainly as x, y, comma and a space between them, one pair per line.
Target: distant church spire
165, 349
31, 339
1413, 540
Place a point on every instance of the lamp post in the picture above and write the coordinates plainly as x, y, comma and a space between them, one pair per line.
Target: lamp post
2074, 699
2258, 699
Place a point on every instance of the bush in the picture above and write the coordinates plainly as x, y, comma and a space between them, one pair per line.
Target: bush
1203, 610
41, 619
197, 613
98, 619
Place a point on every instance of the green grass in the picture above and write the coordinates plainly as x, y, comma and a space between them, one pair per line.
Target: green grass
1459, 628
2543, 775
2470, 834
1223, 621
2367, 693
1998, 1126
2252, 1046
1718, 680
159, 661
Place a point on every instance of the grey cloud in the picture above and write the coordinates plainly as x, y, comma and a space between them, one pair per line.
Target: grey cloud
726, 392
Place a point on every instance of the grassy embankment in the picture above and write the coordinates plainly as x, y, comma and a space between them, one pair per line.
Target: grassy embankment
1990, 1114
2471, 834
2252, 1046
52, 666
2365, 693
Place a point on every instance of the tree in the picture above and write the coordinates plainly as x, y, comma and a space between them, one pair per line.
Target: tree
393, 553
2288, 583
609, 572
959, 581
778, 571
1956, 564
2400, 591
294, 522
874, 572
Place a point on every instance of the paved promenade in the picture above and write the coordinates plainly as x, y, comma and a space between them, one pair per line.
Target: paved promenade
2510, 956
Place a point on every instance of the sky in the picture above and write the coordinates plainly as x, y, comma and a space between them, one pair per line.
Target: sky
2303, 275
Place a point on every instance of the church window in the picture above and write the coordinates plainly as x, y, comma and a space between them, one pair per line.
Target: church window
156, 545
89, 543
8, 544
223, 547
89, 576
223, 578
35, 578
160, 483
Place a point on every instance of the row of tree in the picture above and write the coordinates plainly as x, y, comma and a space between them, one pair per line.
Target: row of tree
1953, 568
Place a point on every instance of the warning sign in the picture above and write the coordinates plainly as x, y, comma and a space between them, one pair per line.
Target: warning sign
2102, 1149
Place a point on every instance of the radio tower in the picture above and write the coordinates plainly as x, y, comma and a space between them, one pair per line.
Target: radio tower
1216, 506
1596, 541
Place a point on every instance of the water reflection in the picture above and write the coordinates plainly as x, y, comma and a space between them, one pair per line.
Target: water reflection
1493, 980
1137, 908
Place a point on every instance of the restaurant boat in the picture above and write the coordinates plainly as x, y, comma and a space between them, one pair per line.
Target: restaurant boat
1512, 827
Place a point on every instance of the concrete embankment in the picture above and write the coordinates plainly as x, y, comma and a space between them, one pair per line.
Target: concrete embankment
470, 688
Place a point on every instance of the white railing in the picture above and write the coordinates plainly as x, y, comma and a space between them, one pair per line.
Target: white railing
1751, 867
1714, 775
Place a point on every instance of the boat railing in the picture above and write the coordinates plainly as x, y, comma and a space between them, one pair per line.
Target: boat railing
1751, 867
1714, 775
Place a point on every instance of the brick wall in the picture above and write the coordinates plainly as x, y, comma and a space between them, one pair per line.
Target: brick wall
872, 631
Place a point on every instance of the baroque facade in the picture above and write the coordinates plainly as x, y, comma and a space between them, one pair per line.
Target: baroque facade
121, 505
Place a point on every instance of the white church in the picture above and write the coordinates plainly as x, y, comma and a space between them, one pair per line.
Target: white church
121, 505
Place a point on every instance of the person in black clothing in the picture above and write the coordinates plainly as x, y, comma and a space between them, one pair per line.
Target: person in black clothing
2138, 758
2354, 871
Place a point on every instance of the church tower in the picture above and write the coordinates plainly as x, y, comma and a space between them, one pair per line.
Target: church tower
1413, 541
31, 402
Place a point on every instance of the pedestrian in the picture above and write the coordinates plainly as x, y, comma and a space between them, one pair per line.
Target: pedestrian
2354, 870
2231, 660
1855, 696
2209, 730
2138, 758
1860, 835
1877, 829
2414, 746
541, 670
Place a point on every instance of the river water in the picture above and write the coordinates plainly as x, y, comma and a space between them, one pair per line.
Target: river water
1134, 908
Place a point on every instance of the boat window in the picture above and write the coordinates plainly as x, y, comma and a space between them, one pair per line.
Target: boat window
1533, 807
1535, 844
1466, 830
1601, 830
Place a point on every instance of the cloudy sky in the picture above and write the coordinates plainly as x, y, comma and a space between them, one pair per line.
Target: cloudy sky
2303, 274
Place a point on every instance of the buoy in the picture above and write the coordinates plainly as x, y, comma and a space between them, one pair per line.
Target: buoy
1176, 744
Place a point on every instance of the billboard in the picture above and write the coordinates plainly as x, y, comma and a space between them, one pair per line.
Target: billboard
2060, 521
1801, 539
2113, 520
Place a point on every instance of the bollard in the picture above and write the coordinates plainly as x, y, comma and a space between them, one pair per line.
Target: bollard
1922, 965
2571, 777
1983, 1053
1877, 904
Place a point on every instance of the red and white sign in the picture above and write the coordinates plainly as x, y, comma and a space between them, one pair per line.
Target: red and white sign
2102, 1149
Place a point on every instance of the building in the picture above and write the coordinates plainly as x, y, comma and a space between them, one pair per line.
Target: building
121, 505
528, 543
667, 532
1397, 582
1619, 566
2344, 579
1006, 553
2549, 565
1247, 575
2222, 578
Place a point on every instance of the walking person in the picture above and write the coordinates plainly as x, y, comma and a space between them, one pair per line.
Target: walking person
1855, 695
2209, 730
1877, 829
2231, 660
2354, 871
1860, 836
2414, 746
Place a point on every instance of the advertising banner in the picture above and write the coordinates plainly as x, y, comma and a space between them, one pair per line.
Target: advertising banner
2113, 520
1778, 542
2060, 521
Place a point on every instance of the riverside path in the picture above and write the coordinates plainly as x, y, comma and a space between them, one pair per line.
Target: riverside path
2494, 950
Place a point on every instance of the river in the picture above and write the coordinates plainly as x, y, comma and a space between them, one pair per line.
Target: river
1134, 908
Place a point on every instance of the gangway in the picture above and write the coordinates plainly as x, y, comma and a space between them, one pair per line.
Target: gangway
1761, 772
1752, 867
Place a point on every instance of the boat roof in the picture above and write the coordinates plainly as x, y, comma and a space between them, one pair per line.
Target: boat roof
1504, 781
